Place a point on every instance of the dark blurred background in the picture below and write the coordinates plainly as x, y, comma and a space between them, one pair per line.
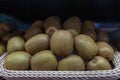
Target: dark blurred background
31, 10
103, 11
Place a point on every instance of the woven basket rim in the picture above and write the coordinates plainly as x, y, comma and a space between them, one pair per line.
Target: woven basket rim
85, 74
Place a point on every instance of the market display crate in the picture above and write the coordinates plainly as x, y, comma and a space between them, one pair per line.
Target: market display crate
113, 74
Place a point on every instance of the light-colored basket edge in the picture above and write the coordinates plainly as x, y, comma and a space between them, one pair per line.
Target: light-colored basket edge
100, 73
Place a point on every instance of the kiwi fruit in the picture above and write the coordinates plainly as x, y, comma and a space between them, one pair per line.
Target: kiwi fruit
101, 36
73, 32
73, 23
2, 49
105, 50
51, 24
61, 43
44, 60
36, 28
8, 36
17, 61
18, 33
50, 30
71, 63
2, 33
90, 33
37, 43
98, 63
85, 46
89, 29
15, 44
52, 20
7, 27
89, 24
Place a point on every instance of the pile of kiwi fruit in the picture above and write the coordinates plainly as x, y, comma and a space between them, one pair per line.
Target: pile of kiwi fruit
51, 46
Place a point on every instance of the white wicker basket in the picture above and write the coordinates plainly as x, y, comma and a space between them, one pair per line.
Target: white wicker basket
2, 57
113, 74
1, 60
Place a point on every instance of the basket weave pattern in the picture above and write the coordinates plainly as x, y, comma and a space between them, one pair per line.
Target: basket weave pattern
64, 75
1, 60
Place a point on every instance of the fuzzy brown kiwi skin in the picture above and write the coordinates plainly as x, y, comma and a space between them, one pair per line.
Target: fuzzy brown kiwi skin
88, 28
73, 23
98, 63
8, 36
19, 60
36, 28
89, 24
2, 33
102, 36
44, 60
52, 22
16, 43
39, 42
85, 46
66, 64
59, 39
74, 32
90, 33
7, 27
105, 50
51, 30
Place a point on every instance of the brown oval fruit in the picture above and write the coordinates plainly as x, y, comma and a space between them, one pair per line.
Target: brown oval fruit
98, 63
37, 43
7, 27
51, 24
2, 33
15, 44
74, 32
71, 63
44, 60
7, 37
2, 49
89, 24
73, 23
17, 61
105, 50
85, 46
18, 33
61, 43
34, 30
90, 33
102, 36
50, 30
52, 20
